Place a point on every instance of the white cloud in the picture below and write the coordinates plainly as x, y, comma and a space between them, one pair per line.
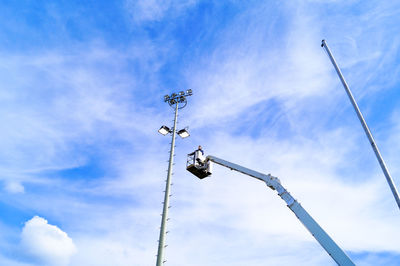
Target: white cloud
156, 10
148, 10
259, 66
46, 243
14, 187
77, 106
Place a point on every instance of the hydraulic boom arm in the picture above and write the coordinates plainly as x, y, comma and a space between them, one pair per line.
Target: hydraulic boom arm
274, 183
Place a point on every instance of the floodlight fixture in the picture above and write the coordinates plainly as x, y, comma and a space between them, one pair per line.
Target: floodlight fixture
178, 98
164, 130
183, 133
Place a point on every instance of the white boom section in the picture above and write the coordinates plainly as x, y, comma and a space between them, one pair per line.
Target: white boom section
312, 226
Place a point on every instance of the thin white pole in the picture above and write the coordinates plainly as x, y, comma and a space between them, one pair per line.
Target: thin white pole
364, 125
161, 241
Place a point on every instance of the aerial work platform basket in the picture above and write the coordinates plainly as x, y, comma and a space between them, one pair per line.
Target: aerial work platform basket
198, 165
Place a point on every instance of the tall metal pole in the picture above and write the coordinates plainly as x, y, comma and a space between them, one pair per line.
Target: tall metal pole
161, 242
364, 125
173, 100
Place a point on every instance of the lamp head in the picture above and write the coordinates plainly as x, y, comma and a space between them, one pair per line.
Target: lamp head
183, 133
164, 130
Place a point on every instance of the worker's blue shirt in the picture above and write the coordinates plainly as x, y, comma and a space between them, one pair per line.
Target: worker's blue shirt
202, 152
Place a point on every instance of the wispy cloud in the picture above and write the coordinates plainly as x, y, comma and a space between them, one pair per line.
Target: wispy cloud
155, 10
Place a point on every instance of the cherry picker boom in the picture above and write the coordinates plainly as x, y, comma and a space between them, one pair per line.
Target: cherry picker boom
202, 167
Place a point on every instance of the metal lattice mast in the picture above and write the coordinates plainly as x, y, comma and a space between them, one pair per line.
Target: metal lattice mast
364, 125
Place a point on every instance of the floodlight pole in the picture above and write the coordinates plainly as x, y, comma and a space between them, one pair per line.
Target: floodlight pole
173, 101
161, 243
364, 125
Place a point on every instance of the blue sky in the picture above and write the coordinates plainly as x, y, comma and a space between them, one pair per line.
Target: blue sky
82, 167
